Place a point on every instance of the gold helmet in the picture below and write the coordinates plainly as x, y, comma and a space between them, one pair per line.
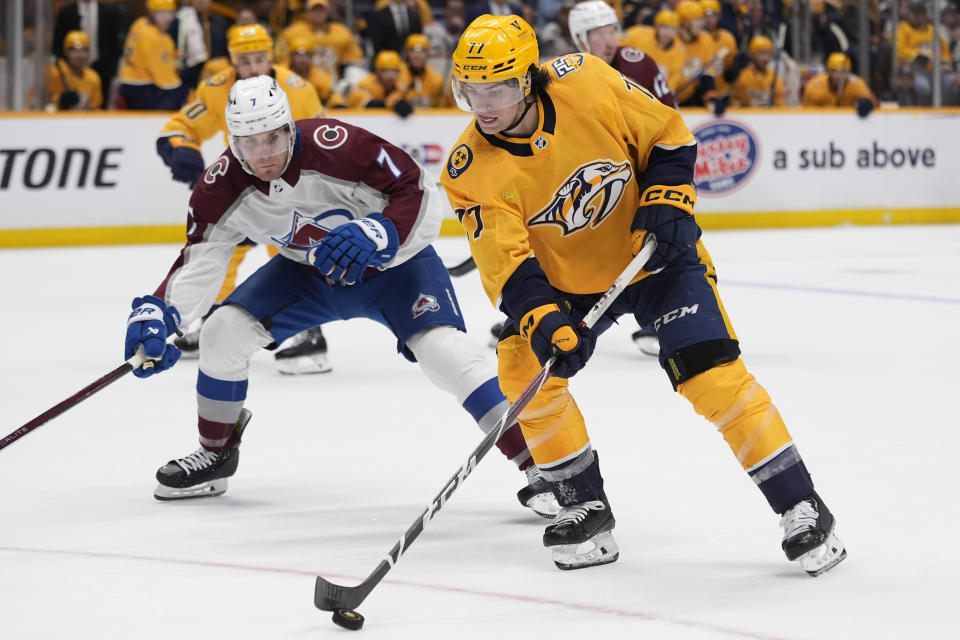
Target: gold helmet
838, 61
161, 5
760, 43
710, 6
666, 18
494, 49
387, 59
302, 44
76, 40
249, 38
689, 10
417, 41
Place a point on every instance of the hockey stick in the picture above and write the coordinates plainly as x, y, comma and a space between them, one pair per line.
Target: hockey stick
463, 268
781, 40
332, 597
137, 360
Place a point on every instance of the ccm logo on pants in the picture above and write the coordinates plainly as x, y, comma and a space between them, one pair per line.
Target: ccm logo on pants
670, 316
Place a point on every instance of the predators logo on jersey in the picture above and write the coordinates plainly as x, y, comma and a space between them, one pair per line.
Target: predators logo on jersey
587, 197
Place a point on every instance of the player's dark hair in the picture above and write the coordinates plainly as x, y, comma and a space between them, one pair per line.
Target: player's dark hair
539, 79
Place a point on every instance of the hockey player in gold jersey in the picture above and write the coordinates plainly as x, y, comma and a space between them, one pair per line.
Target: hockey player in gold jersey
837, 87
758, 84
251, 53
149, 80
564, 170
71, 82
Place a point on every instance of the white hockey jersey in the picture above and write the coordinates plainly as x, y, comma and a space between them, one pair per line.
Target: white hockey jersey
339, 172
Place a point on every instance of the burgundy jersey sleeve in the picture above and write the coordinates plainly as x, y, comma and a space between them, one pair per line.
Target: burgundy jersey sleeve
637, 65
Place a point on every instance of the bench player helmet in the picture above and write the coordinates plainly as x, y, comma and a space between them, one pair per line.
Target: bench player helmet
589, 15
494, 50
248, 38
255, 106
76, 39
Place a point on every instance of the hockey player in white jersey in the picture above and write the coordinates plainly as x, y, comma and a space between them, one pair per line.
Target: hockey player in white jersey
353, 217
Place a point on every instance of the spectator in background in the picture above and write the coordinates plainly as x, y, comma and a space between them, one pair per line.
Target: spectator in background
426, 86
758, 85
445, 32
201, 39
503, 8
71, 83
302, 50
838, 87
423, 8
148, 75
388, 28
336, 46
105, 26
915, 59
700, 66
382, 89
554, 37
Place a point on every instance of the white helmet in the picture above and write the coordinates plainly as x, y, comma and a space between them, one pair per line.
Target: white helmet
585, 16
257, 105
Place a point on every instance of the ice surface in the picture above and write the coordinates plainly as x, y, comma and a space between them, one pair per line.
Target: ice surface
853, 330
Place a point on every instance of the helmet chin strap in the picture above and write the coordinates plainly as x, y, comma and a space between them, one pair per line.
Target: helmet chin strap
521, 116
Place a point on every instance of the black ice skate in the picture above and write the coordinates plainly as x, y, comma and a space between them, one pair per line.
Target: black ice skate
537, 494
305, 352
646, 341
809, 536
582, 535
203, 473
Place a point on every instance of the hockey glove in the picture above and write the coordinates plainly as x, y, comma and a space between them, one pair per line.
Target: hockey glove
403, 108
718, 104
183, 158
148, 326
69, 100
551, 333
668, 213
352, 247
864, 107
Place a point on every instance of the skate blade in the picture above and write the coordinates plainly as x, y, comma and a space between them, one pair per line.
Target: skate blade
299, 365
599, 550
544, 505
203, 490
825, 557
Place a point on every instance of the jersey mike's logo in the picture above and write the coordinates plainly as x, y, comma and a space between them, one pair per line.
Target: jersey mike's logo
728, 154
587, 197
306, 231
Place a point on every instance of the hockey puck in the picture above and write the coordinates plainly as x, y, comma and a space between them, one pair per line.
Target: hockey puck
348, 619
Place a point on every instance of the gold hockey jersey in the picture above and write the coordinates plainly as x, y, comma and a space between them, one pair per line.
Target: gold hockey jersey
569, 192
204, 117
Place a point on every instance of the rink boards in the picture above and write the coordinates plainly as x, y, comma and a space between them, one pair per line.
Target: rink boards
97, 179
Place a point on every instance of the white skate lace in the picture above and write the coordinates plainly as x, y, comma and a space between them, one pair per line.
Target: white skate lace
801, 517
199, 459
578, 512
533, 473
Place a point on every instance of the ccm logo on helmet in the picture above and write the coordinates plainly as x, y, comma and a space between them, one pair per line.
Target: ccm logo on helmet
474, 67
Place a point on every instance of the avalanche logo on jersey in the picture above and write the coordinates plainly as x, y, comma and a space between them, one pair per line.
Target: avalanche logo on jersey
423, 304
218, 168
588, 196
306, 232
328, 137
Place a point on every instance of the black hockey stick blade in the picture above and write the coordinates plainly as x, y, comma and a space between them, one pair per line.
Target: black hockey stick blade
328, 596
463, 268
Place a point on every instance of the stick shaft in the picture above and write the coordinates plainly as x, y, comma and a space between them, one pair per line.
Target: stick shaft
73, 400
330, 597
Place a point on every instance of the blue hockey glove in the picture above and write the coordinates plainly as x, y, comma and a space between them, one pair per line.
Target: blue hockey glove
718, 104
353, 246
864, 107
668, 213
403, 108
148, 326
551, 333
183, 158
